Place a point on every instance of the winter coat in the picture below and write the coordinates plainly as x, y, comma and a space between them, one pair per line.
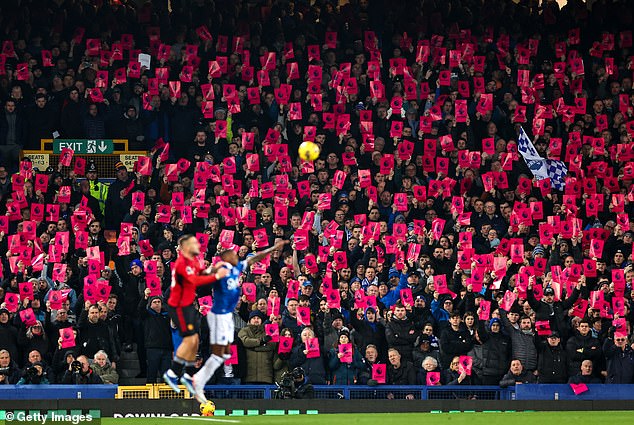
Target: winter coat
156, 327
259, 354
493, 357
454, 343
366, 333
552, 364
344, 373
523, 344
580, 348
509, 380
313, 368
404, 375
401, 334
554, 313
620, 365
107, 373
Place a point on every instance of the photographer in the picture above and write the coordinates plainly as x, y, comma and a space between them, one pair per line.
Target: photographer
9, 371
80, 373
34, 375
294, 384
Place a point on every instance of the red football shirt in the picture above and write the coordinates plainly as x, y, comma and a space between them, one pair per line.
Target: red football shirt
185, 278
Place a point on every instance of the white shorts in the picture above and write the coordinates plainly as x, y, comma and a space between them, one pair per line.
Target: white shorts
221, 328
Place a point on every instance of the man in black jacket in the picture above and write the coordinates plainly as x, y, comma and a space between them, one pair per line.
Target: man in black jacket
554, 312
118, 202
517, 375
552, 362
584, 346
401, 333
492, 357
80, 373
158, 336
455, 340
12, 134
400, 372
94, 334
8, 334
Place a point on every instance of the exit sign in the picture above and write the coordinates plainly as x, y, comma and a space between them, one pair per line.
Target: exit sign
85, 146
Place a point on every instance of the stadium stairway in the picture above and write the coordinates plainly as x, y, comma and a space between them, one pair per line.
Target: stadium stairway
129, 368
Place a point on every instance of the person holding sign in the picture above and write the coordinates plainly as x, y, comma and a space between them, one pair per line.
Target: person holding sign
344, 360
260, 350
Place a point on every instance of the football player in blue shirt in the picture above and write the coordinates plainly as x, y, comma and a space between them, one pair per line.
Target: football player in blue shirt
226, 294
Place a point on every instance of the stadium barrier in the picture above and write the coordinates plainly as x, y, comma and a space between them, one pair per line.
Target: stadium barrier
52, 392
322, 392
106, 153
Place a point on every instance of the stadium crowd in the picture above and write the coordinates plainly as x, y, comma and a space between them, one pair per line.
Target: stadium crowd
424, 251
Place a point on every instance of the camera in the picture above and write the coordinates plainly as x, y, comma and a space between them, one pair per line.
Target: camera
32, 371
75, 366
4, 371
285, 388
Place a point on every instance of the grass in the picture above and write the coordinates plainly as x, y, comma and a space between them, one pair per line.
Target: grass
466, 418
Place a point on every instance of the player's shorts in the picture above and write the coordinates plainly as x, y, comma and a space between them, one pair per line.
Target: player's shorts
186, 319
221, 328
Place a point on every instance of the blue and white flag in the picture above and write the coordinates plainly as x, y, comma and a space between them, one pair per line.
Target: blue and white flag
541, 168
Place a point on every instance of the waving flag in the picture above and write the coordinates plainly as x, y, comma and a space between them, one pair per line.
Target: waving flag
541, 168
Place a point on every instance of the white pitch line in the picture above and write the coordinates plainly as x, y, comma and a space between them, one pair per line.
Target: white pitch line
209, 419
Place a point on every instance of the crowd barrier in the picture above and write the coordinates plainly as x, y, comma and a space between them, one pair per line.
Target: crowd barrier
322, 392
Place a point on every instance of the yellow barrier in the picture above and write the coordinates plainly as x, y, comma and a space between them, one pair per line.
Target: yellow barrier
151, 391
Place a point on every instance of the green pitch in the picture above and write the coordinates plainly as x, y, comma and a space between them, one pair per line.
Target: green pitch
466, 418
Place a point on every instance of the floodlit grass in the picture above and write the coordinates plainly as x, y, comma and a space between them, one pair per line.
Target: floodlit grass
459, 418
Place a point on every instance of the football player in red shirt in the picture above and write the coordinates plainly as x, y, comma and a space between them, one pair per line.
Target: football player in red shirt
187, 275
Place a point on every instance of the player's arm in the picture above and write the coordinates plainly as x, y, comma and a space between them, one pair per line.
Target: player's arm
262, 254
200, 280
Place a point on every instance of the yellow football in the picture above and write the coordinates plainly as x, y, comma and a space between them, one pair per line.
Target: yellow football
309, 151
207, 409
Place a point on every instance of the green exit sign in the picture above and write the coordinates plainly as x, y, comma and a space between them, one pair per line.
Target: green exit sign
85, 146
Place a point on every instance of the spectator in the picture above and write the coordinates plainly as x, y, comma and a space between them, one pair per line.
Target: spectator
9, 370
105, 369
313, 368
491, 358
73, 109
585, 375
34, 375
553, 361
12, 134
517, 375
424, 350
157, 336
429, 364
399, 372
549, 310
522, 340
8, 334
344, 373
94, 334
583, 346
33, 338
42, 119
371, 358
260, 350
455, 339
620, 360
368, 330
79, 372
400, 333
453, 375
